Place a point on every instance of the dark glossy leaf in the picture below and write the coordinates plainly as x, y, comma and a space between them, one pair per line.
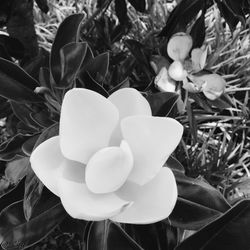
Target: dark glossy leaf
5, 186
106, 235
229, 16
16, 232
162, 103
5, 109
198, 31
157, 236
13, 194
199, 191
34, 65
72, 56
86, 81
71, 225
98, 67
187, 10
174, 164
13, 46
198, 203
231, 231
4, 53
32, 194
138, 51
22, 112
121, 11
33, 186
139, 5
44, 77
190, 215
15, 170
89, 56
16, 84
43, 5
237, 8
10, 148
29, 144
124, 84
49, 132
67, 32
42, 118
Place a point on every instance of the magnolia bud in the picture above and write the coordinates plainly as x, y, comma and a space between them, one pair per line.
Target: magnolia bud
179, 46
176, 71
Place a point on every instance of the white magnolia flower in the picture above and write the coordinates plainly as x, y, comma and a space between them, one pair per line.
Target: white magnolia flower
107, 160
183, 68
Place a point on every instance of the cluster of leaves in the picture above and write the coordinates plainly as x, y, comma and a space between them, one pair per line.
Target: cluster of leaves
30, 103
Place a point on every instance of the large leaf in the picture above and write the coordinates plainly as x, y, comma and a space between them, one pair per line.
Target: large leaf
121, 11
12, 147
12, 46
157, 236
228, 15
198, 203
22, 112
106, 235
138, 51
15, 170
12, 195
86, 81
198, 31
16, 232
33, 186
231, 231
139, 5
72, 56
191, 215
98, 67
183, 13
67, 32
16, 84
197, 190
162, 103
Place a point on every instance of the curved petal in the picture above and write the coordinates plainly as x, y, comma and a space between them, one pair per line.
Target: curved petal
179, 46
79, 202
198, 57
152, 202
152, 140
163, 82
214, 86
176, 71
129, 102
86, 124
108, 169
45, 161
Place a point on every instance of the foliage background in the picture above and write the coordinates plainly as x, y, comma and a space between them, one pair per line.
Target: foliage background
216, 145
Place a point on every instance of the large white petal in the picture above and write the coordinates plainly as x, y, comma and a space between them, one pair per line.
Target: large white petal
86, 124
46, 160
108, 169
152, 140
152, 202
129, 102
79, 202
